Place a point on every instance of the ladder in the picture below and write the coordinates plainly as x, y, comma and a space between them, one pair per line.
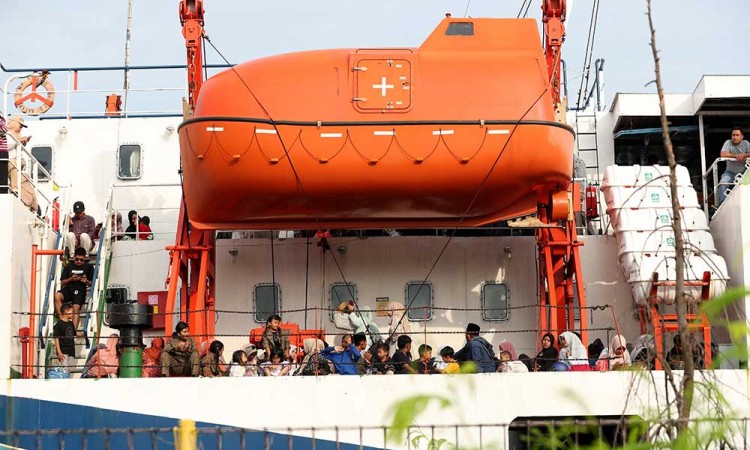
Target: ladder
587, 142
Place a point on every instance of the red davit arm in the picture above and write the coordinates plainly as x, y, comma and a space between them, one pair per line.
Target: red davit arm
553, 16
192, 259
191, 18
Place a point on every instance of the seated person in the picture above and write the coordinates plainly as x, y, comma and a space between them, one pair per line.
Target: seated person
644, 353
401, 358
211, 363
82, 230
74, 280
507, 365
276, 367
238, 366
151, 367
381, 364
547, 355
572, 352
180, 354
345, 359
425, 364
252, 366
452, 366
616, 357
676, 356
105, 363
137, 229
314, 363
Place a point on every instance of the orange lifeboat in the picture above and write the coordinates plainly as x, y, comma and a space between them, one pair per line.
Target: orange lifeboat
460, 131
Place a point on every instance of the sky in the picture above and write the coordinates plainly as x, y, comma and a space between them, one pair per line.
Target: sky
695, 37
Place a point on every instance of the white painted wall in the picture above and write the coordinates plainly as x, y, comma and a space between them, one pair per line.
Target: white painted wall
382, 266
730, 228
351, 401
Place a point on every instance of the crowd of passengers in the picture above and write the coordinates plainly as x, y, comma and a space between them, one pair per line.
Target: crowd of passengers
357, 355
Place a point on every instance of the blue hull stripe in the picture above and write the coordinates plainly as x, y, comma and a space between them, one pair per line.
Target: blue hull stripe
23, 414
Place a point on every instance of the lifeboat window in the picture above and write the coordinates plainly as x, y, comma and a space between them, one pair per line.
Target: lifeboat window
495, 298
460, 29
419, 300
129, 162
43, 154
342, 292
267, 299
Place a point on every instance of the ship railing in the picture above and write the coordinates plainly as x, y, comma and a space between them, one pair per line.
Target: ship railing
98, 291
71, 97
529, 432
53, 276
712, 178
28, 171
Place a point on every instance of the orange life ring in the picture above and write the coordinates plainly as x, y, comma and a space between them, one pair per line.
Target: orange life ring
47, 100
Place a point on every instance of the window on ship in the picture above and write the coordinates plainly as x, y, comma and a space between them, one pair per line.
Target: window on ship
341, 292
267, 299
129, 162
419, 300
43, 154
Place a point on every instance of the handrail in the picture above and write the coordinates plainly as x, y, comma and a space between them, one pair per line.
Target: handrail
34, 167
54, 272
105, 237
713, 171
109, 68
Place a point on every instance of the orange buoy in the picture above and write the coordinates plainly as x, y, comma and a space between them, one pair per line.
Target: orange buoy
461, 130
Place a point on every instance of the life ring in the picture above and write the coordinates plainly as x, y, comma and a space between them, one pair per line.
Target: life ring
47, 100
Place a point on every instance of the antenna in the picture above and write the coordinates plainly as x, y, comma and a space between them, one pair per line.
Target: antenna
126, 80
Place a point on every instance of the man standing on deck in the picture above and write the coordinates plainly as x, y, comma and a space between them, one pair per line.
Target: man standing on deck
478, 350
180, 354
739, 149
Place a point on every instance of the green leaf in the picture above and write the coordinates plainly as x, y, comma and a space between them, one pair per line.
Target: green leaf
715, 306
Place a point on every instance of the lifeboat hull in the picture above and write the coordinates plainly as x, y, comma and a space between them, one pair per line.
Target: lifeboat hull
459, 132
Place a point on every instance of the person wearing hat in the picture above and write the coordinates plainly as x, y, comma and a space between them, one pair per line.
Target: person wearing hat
478, 350
27, 192
82, 230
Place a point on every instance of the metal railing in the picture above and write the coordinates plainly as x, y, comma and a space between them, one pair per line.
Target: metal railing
715, 182
521, 434
71, 91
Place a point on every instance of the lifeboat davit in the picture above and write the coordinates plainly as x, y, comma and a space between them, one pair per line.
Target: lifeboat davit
460, 131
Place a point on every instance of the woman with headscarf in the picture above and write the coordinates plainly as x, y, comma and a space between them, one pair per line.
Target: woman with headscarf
398, 325
105, 362
314, 363
644, 353
117, 231
547, 355
616, 356
572, 352
151, 366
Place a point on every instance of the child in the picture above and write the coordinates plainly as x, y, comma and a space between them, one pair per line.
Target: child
276, 367
508, 365
381, 365
64, 334
447, 354
425, 364
238, 368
